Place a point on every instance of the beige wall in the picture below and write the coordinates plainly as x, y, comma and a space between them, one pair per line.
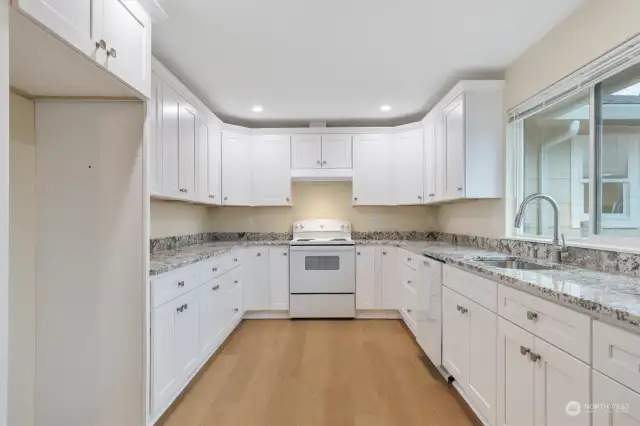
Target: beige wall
169, 218
593, 29
22, 224
312, 200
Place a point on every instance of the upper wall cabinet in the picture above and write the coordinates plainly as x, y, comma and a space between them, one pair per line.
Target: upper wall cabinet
372, 170
468, 135
321, 157
114, 33
271, 170
408, 168
236, 169
208, 177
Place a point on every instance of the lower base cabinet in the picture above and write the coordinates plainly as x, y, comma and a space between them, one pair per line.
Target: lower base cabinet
614, 404
469, 351
538, 384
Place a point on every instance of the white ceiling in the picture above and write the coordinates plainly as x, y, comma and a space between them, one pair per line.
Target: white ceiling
340, 60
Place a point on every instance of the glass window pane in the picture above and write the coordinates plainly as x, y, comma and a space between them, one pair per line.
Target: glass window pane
322, 263
556, 163
619, 204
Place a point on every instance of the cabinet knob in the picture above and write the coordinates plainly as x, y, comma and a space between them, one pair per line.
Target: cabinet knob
531, 315
235, 259
226, 198
432, 195
459, 188
534, 357
212, 196
355, 198
112, 52
419, 197
186, 306
214, 269
235, 309
358, 253
409, 311
408, 281
287, 199
101, 44
324, 162
384, 253
318, 162
179, 309
285, 254
408, 259
258, 254
216, 287
180, 283
524, 351
235, 281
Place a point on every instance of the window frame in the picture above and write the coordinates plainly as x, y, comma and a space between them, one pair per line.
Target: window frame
589, 77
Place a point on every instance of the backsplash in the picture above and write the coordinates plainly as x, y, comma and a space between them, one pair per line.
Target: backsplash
592, 259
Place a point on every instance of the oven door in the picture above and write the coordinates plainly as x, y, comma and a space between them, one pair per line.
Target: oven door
322, 269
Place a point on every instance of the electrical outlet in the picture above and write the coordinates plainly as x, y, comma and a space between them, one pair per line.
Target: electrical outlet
374, 221
250, 222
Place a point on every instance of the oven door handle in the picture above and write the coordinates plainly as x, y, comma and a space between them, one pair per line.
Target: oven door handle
322, 249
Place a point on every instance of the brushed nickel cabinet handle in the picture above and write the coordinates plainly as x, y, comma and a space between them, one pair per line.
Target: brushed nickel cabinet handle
534, 357
285, 254
112, 52
524, 351
259, 254
214, 269
216, 287
180, 283
531, 315
459, 188
235, 309
235, 281
101, 44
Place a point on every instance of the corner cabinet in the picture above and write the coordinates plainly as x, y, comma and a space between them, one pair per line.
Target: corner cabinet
408, 167
270, 170
236, 169
114, 33
372, 170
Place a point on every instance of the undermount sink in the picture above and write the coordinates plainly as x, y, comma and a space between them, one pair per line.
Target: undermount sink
515, 264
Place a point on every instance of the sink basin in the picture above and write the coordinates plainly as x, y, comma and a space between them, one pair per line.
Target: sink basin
515, 264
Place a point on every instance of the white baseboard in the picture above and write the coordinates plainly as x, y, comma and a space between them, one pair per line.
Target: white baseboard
266, 315
378, 314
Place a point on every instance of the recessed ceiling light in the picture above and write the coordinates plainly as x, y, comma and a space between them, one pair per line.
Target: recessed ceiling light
257, 108
385, 108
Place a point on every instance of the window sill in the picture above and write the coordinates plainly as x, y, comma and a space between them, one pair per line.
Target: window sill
583, 244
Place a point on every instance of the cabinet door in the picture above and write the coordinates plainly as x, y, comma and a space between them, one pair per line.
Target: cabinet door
271, 171
186, 340
365, 278
306, 152
236, 304
279, 274
429, 309
453, 121
481, 385
164, 377
559, 380
515, 376
257, 294
440, 152
408, 176
170, 106
336, 151
623, 402
210, 304
71, 20
429, 135
372, 170
126, 28
391, 281
455, 335
236, 169
202, 160
187, 152
213, 164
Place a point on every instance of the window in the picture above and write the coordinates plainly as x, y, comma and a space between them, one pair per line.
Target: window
582, 147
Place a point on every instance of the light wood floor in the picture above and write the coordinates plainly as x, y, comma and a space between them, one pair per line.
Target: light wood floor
329, 373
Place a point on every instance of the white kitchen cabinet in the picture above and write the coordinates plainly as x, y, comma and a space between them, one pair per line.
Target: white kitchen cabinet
186, 334
187, 151
336, 151
391, 289
271, 170
408, 168
154, 110
515, 376
71, 20
366, 297
429, 309
536, 381
170, 105
208, 162
236, 169
409, 299
623, 402
453, 128
236, 301
163, 347
211, 303
306, 152
455, 335
372, 184
279, 278
430, 163
126, 28
257, 292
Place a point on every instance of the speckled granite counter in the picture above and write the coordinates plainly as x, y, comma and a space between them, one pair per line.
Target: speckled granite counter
162, 261
610, 297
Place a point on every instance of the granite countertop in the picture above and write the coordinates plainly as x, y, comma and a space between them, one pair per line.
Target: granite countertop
610, 297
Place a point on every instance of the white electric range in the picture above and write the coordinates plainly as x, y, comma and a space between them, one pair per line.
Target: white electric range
322, 270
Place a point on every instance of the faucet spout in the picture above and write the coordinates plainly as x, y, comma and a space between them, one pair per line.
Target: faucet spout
554, 205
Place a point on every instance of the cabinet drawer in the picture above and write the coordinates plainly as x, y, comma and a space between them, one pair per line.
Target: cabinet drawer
616, 353
410, 259
168, 286
217, 266
478, 289
560, 326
